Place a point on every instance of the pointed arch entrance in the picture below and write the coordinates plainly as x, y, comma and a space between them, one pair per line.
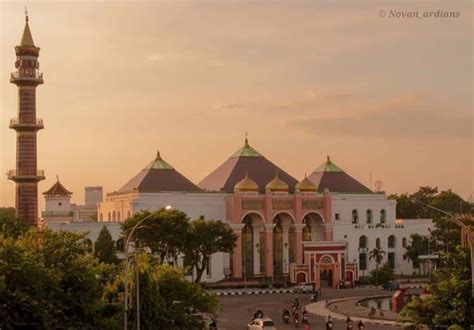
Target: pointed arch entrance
253, 243
283, 243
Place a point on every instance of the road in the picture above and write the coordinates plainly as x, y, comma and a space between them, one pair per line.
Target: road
238, 310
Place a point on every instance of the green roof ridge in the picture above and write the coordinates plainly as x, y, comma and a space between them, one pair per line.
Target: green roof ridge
246, 151
159, 164
328, 166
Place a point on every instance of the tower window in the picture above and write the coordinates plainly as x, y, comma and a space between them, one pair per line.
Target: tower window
355, 216
369, 216
338, 216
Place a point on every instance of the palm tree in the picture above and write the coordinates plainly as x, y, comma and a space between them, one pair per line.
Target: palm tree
377, 254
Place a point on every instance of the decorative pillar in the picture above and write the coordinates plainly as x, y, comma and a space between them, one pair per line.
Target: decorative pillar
269, 250
286, 249
237, 256
328, 232
256, 250
299, 243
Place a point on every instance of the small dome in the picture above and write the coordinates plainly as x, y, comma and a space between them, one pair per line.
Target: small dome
277, 185
246, 184
305, 185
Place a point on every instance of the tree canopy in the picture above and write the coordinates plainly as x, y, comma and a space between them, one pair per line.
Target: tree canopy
104, 247
204, 238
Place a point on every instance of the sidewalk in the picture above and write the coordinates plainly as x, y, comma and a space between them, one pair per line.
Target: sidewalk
320, 308
238, 292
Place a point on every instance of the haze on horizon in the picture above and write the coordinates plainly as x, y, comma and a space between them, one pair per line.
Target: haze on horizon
380, 95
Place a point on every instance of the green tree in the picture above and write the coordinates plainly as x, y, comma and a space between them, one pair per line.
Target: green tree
418, 246
449, 299
167, 299
48, 280
383, 274
9, 224
206, 237
164, 232
104, 247
377, 255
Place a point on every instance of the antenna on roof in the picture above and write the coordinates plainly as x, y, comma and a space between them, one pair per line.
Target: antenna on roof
26, 14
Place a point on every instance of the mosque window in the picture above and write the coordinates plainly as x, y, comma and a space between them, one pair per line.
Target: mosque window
108, 217
355, 216
382, 216
307, 233
404, 242
113, 216
377, 243
363, 242
391, 241
338, 216
369, 216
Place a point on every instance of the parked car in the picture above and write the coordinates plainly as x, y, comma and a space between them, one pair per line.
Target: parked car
391, 285
304, 288
261, 324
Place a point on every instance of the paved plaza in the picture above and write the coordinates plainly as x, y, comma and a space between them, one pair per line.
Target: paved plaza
237, 310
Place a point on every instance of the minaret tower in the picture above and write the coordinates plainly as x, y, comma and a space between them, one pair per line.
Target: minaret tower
26, 174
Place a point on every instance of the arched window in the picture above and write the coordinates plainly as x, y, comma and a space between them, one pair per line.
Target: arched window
382, 216
101, 217
369, 216
118, 216
355, 216
377, 243
404, 242
108, 217
113, 216
391, 241
363, 242
128, 214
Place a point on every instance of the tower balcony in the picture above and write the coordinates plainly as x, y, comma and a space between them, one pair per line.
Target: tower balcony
35, 78
16, 176
16, 123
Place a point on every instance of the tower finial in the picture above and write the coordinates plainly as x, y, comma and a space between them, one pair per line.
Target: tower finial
57, 177
328, 159
246, 139
158, 156
26, 14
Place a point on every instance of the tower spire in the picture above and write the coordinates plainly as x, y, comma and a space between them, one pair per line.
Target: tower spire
27, 38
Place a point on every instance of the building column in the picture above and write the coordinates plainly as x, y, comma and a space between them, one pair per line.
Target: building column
256, 250
299, 243
269, 250
286, 249
328, 232
237, 252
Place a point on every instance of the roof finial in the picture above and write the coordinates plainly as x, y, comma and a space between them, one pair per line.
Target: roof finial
328, 159
246, 139
57, 177
158, 156
26, 14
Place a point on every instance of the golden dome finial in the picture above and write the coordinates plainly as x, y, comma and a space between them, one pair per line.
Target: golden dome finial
305, 185
277, 184
246, 185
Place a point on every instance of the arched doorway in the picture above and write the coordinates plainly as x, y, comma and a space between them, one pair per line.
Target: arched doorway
283, 244
314, 227
253, 245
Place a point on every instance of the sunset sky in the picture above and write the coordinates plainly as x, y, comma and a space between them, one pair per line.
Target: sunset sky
391, 96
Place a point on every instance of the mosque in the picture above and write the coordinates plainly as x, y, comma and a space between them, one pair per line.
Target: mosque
317, 229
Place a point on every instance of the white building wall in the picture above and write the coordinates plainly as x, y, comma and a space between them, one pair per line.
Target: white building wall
345, 230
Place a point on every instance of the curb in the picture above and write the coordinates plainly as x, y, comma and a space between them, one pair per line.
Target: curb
251, 292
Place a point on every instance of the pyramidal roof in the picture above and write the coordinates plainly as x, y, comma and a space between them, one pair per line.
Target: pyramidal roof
246, 161
330, 176
27, 38
159, 176
57, 190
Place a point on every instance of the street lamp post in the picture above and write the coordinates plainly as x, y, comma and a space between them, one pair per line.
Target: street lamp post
126, 269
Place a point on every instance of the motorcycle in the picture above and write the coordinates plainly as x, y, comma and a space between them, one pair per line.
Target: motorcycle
297, 322
314, 298
286, 318
329, 325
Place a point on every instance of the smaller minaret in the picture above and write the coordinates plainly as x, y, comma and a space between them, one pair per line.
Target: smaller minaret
58, 204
